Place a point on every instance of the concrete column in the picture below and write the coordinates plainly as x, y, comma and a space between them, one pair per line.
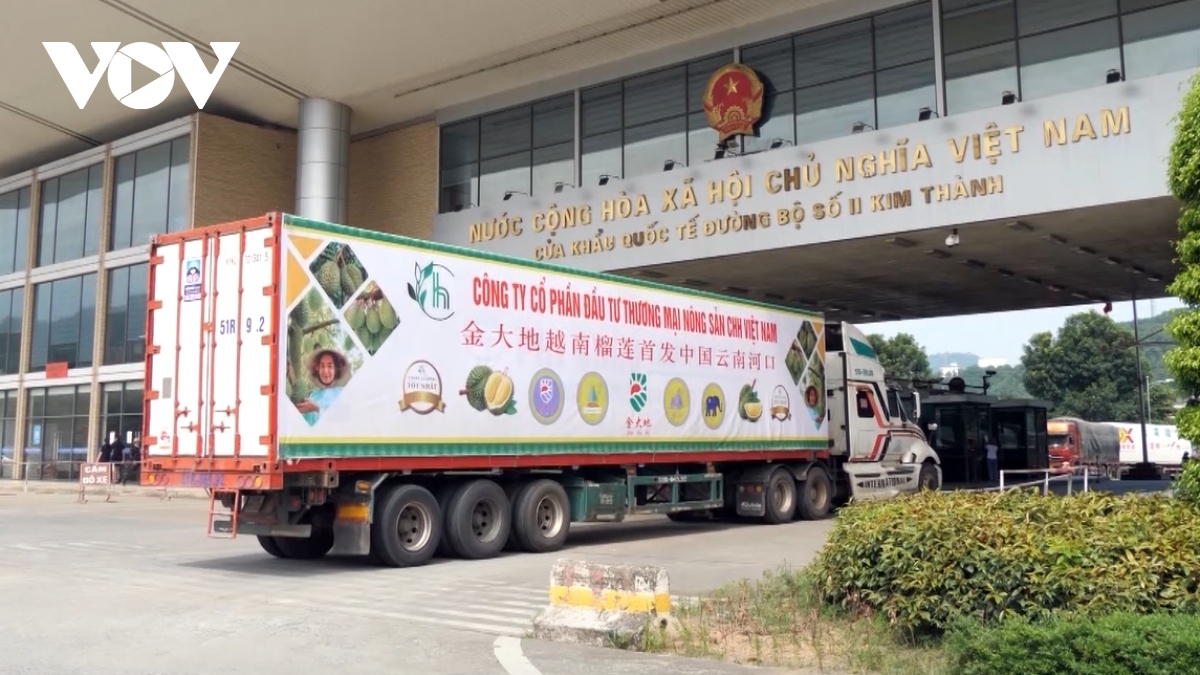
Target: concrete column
323, 160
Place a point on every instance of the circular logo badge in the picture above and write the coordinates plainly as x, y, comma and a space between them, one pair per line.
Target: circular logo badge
677, 402
422, 389
592, 398
781, 404
713, 405
546, 396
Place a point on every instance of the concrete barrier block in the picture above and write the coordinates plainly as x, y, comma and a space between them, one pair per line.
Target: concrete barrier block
602, 604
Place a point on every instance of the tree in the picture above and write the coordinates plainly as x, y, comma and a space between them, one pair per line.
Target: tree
901, 356
1089, 371
1008, 382
1183, 180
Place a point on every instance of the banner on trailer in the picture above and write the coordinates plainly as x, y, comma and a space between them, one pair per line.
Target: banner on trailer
397, 347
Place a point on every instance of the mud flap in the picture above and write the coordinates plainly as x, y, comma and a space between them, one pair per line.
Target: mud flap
351, 537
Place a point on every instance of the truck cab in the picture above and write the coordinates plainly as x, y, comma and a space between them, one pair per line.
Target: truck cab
883, 450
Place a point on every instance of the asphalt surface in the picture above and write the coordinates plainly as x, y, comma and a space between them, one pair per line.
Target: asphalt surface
134, 586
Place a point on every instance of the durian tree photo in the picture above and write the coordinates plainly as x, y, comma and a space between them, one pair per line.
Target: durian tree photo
1183, 181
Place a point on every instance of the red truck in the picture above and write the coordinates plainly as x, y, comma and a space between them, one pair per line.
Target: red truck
347, 391
1075, 443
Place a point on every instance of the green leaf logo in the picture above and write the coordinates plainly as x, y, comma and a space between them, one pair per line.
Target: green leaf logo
637, 391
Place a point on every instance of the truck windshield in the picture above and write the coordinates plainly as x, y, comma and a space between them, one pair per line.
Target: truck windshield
1059, 439
898, 406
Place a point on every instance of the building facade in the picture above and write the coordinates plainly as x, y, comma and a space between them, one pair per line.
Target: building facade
74, 233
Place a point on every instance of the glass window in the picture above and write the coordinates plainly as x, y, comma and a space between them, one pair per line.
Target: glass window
1157, 41
649, 146
1068, 60
121, 407
64, 318
14, 231
125, 322
1038, 16
902, 92
968, 24
526, 150
12, 302
834, 53
978, 78
8, 432
655, 96
56, 441
69, 227
831, 110
151, 193
903, 36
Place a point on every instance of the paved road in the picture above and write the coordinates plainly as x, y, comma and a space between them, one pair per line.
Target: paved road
135, 587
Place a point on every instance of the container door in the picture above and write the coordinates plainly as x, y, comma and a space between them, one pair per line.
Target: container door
210, 358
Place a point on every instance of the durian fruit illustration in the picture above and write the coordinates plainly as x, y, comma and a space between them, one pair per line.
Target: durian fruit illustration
372, 317
490, 390
339, 272
749, 407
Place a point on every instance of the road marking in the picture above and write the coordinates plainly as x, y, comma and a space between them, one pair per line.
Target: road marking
512, 659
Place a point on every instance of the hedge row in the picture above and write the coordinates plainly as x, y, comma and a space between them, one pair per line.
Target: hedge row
931, 559
1118, 644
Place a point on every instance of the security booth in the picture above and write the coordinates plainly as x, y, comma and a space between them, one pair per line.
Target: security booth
958, 425
1020, 427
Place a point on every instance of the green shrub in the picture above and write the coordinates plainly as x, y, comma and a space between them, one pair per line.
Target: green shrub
1187, 486
927, 560
1119, 644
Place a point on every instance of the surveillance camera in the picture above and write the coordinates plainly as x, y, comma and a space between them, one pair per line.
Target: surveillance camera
952, 240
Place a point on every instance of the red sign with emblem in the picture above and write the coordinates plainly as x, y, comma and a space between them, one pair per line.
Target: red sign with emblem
733, 100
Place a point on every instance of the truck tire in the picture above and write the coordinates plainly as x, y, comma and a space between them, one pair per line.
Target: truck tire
816, 494
312, 547
407, 526
541, 516
780, 497
478, 520
268, 544
512, 491
443, 495
928, 479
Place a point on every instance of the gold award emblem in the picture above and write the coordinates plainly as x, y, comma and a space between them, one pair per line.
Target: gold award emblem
422, 389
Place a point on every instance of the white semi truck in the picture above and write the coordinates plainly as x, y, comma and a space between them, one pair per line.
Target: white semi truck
343, 390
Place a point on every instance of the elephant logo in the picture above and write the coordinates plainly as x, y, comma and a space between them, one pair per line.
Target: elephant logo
714, 405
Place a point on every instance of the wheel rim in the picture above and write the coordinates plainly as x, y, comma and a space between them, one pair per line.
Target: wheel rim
413, 527
781, 496
485, 521
817, 494
549, 517
927, 480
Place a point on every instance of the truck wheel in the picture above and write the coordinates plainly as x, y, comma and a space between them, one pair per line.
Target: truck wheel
443, 495
408, 526
541, 516
927, 479
780, 497
312, 547
478, 520
816, 494
512, 491
268, 544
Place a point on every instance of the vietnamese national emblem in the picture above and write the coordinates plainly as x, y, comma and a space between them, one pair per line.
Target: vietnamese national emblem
733, 100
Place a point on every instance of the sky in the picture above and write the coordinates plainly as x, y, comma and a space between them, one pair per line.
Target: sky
1004, 334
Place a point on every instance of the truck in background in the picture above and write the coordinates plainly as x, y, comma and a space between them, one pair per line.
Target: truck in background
1113, 447
347, 391
1075, 443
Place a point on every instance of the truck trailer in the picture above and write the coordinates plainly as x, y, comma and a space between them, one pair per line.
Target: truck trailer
346, 391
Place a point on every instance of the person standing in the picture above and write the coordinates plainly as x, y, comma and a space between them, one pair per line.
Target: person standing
993, 459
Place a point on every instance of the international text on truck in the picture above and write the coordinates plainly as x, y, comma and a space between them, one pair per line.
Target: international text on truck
342, 390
